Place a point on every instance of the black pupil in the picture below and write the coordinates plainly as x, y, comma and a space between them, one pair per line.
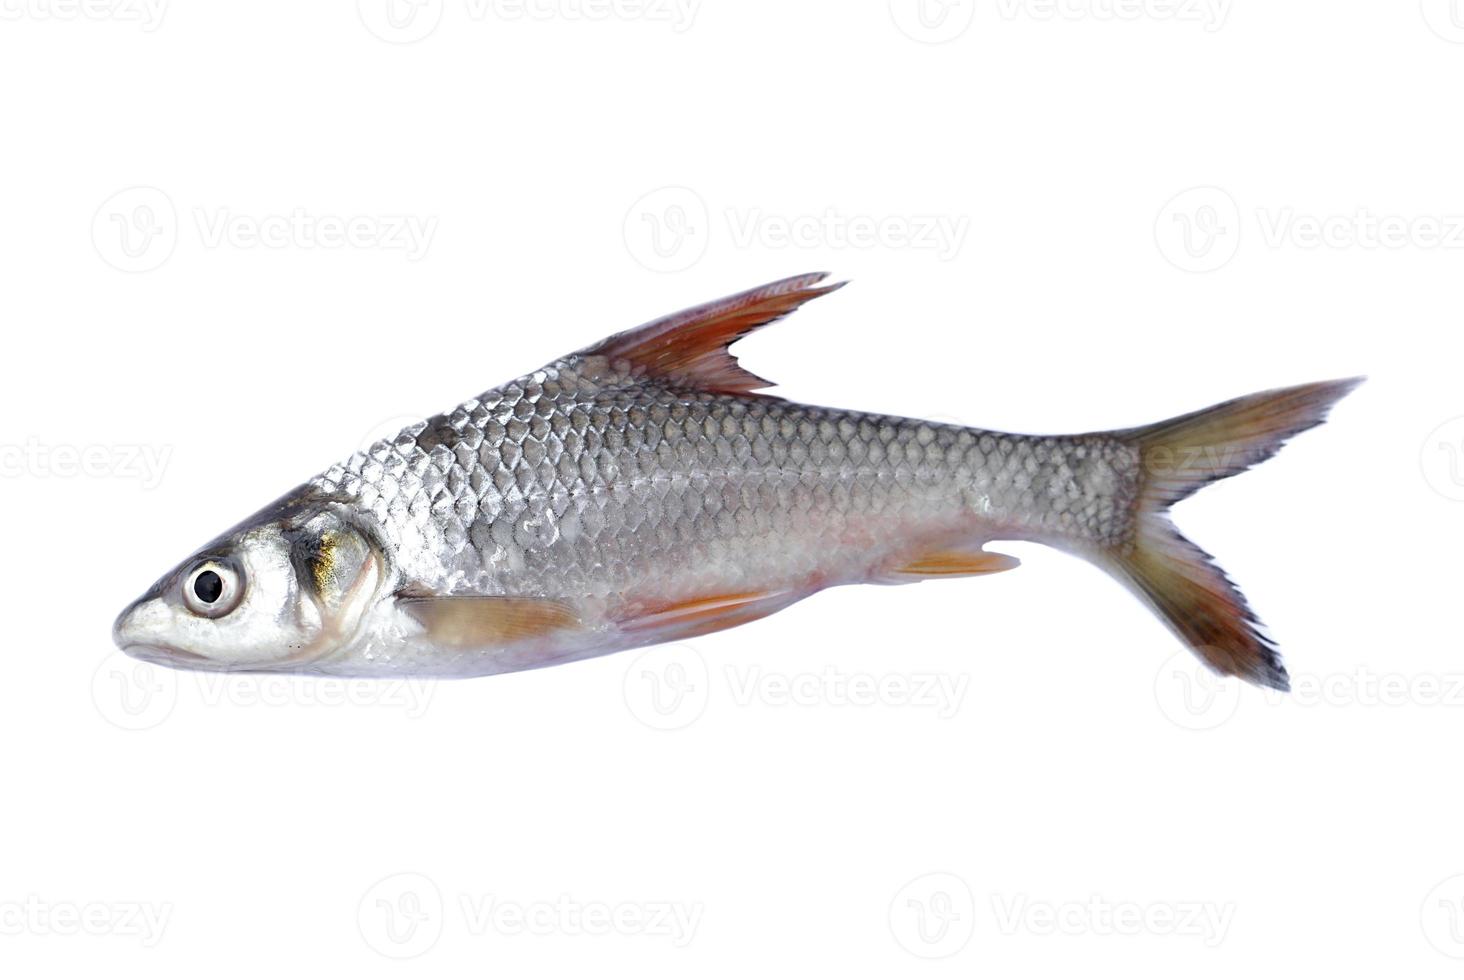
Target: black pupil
208, 586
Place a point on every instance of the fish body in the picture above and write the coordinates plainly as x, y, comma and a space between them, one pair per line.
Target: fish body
642, 490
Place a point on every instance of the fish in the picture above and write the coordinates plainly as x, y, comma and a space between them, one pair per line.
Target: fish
646, 489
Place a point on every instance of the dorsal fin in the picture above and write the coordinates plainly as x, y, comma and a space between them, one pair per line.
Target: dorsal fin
690, 347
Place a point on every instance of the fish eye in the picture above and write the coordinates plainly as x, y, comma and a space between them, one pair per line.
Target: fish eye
212, 589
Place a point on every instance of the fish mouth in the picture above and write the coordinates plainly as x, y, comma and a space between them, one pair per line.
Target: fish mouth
135, 634
166, 656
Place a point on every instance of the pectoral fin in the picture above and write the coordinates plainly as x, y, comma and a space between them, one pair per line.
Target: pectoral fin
477, 622
944, 564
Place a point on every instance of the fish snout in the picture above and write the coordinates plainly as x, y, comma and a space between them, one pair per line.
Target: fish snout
142, 631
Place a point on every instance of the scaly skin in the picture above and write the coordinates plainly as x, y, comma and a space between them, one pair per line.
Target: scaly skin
586, 482
641, 490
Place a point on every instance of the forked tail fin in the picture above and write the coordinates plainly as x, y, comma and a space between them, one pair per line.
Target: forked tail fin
1179, 581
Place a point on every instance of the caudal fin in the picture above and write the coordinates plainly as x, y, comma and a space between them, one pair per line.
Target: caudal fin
1179, 581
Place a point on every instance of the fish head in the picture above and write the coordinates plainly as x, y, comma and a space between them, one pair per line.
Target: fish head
284, 589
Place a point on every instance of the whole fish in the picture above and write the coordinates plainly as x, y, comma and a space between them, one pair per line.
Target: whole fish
641, 490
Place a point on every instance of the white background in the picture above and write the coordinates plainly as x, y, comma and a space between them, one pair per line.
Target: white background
1077, 799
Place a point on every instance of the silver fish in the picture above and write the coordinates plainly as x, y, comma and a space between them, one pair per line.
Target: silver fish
641, 490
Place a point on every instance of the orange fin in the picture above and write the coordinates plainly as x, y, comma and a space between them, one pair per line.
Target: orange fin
700, 615
1174, 577
470, 622
690, 347
942, 564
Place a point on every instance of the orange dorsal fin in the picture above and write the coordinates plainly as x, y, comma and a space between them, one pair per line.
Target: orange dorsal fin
690, 347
